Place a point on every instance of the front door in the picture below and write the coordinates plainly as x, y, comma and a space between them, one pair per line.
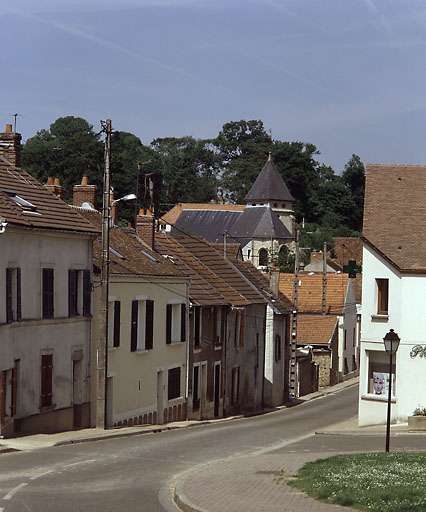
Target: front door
77, 393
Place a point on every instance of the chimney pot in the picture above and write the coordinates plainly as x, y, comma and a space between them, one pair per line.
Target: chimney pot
57, 182
85, 180
8, 128
49, 180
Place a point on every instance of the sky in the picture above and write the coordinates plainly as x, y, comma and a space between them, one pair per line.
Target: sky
346, 75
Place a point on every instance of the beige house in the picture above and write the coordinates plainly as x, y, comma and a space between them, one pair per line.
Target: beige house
147, 331
46, 257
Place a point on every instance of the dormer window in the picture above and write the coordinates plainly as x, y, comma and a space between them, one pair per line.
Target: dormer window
22, 203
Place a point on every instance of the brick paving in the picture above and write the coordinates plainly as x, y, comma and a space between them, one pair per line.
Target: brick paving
250, 484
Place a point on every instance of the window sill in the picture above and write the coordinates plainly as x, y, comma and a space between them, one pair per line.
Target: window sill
379, 318
111, 349
142, 351
176, 343
378, 398
218, 347
197, 349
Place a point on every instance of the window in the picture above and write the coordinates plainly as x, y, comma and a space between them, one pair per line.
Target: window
79, 292
219, 325
239, 329
277, 348
26, 206
48, 293
13, 295
197, 326
142, 329
378, 374
195, 388
382, 296
114, 317
175, 323
263, 257
46, 380
173, 389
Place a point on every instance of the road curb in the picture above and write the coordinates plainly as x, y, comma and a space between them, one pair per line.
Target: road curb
183, 502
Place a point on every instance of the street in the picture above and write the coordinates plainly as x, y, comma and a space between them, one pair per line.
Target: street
128, 473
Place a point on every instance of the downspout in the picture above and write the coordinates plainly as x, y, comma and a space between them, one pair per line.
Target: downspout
225, 371
187, 350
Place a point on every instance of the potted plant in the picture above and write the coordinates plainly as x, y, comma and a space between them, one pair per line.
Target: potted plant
417, 422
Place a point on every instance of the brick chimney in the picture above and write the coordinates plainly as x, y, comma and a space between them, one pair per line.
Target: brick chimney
10, 146
145, 223
54, 185
84, 193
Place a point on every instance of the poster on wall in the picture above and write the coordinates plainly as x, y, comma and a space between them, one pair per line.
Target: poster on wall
381, 383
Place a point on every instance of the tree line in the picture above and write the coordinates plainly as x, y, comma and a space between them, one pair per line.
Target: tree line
186, 169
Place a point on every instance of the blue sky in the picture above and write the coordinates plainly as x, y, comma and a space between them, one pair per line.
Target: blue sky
345, 75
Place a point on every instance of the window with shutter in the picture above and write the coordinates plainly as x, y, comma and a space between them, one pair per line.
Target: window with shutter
18, 295
149, 325
48, 293
197, 325
13, 295
195, 388
46, 380
134, 327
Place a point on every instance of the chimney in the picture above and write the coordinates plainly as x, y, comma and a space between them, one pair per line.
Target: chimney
274, 280
10, 146
84, 193
54, 185
145, 224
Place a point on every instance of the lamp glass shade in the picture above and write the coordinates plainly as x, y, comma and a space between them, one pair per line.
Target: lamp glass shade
391, 341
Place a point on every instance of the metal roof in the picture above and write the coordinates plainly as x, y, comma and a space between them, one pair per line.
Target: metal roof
210, 224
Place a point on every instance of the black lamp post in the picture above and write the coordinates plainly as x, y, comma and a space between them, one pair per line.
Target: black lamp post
391, 341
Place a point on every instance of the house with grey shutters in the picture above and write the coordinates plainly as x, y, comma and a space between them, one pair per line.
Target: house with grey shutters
45, 313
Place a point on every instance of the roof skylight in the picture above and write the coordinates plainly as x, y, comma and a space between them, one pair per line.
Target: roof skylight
23, 203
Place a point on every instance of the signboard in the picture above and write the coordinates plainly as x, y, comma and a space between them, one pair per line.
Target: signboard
381, 383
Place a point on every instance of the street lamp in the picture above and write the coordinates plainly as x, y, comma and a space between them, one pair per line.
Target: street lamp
391, 341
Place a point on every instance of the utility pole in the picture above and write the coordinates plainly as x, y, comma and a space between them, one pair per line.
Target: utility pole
324, 280
102, 348
293, 352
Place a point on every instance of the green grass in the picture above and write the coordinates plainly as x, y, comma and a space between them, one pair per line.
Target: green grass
381, 482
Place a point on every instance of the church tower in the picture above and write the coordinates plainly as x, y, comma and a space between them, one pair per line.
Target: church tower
269, 190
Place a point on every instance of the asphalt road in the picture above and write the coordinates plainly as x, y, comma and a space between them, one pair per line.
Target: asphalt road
127, 474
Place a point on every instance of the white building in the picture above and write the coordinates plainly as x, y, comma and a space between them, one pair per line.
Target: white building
45, 282
393, 291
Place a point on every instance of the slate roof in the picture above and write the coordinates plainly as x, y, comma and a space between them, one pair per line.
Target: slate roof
395, 214
259, 222
315, 329
128, 254
269, 186
172, 215
210, 224
49, 212
309, 298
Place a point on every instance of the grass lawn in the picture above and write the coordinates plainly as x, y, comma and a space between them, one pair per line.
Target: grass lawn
394, 482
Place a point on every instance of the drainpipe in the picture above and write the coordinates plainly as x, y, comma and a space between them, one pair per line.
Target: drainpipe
225, 370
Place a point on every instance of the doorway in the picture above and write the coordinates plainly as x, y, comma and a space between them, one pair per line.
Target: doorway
160, 397
216, 389
77, 394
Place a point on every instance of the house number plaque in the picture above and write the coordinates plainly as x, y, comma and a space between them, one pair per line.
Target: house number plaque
418, 350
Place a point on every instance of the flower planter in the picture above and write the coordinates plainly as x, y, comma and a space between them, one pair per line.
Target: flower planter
417, 423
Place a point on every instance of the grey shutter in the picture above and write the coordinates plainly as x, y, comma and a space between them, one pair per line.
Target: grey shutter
134, 327
149, 325
9, 310
117, 311
72, 292
48, 286
169, 311
87, 293
18, 295
183, 322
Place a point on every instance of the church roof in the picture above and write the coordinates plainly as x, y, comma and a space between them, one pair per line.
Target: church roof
259, 222
269, 186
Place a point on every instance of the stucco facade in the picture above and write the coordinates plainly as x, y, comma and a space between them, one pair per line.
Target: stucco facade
26, 340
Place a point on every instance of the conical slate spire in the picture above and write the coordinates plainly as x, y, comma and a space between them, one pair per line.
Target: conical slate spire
269, 186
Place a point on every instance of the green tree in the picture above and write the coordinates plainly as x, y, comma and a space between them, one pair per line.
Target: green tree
354, 179
188, 170
243, 147
67, 150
